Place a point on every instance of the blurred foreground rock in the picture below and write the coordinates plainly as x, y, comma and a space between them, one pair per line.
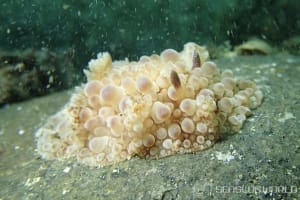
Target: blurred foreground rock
32, 73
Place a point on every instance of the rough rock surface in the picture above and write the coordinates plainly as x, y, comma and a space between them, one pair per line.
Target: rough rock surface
266, 153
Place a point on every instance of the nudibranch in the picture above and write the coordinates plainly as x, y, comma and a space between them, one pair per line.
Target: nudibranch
175, 102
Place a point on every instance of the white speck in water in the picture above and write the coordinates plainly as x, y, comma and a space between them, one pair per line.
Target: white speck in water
21, 132
65, 191
273, 64
67, 170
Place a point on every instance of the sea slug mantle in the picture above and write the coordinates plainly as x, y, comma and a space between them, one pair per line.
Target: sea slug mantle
175, 102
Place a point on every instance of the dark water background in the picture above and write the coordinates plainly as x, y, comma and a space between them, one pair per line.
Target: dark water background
134, 28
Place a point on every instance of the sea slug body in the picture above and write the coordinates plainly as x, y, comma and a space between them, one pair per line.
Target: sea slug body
175, 102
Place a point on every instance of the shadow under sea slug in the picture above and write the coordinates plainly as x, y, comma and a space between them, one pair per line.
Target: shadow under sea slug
175, 102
